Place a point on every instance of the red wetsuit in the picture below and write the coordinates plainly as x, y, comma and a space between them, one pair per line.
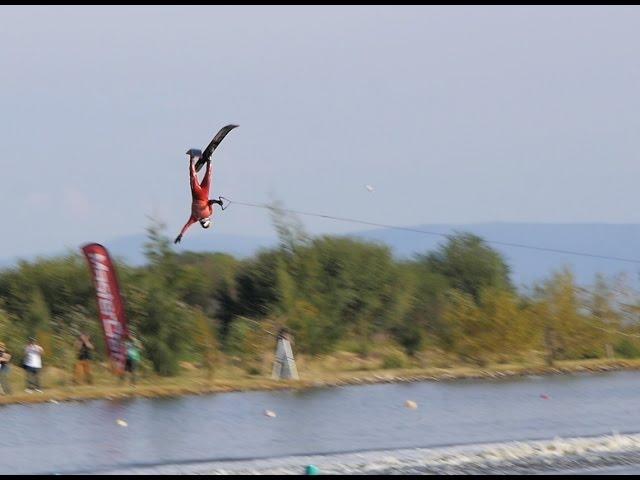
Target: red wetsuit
200, 205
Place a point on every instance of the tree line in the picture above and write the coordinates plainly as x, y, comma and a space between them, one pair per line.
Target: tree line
333, 293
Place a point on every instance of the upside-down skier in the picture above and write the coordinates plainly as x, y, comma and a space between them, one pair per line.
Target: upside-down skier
201, 205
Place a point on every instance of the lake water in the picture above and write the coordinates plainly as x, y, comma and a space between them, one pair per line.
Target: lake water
183, 433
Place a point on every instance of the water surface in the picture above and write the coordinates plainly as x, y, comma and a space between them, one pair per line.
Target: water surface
77, 437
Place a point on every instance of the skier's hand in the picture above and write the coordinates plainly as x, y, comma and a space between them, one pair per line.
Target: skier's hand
178, 239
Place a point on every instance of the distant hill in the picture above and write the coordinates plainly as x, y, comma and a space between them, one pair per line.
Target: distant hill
619, 240
131, 247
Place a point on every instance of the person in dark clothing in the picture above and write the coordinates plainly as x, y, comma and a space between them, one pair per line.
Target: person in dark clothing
83, 365
133, 359
5, 359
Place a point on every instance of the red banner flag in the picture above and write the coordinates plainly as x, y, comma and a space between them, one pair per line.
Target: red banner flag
110, 306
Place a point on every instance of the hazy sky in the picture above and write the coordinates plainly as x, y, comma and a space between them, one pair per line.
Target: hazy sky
453, 114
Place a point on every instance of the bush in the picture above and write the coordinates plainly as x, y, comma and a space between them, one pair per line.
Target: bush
627, 349
394, 360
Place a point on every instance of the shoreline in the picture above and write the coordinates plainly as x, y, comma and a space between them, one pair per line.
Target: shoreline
340, 379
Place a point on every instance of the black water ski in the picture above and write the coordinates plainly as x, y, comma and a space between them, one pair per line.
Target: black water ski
206, 155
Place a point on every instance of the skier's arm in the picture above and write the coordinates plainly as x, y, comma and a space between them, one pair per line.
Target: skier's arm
190, 222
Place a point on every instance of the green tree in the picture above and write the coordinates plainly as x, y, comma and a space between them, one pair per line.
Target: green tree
470, 265
206, 342
469, 328
12, 333
568, 332
246, 343
165, 323
350, 284
510, 331
421, 297
604, 315
38, 317
166, 328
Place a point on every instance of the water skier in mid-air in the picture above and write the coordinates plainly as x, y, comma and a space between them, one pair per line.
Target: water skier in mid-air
201, 205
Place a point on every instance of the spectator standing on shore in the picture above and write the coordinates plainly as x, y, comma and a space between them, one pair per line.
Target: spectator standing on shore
33, 365
133, 358
83, 365
5, 358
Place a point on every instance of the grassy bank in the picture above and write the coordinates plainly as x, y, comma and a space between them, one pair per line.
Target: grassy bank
58, 387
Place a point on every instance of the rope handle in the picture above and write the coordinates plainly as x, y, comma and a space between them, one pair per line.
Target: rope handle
222, 205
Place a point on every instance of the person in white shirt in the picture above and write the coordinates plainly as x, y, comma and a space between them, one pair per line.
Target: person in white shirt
33, 364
